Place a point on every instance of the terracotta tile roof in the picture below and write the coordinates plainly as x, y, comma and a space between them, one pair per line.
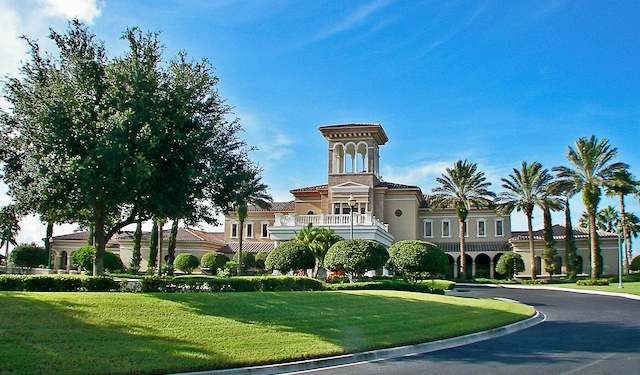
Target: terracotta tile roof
75, 236
473, 247
310, 188
184, 235
559, 232
275, 207
251, 247
348, 125
392, 185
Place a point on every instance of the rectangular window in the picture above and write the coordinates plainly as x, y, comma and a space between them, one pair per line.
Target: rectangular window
234, 230
446, 229
336, 208
482, 228
249, 231
265, 230
427, 229
500, 228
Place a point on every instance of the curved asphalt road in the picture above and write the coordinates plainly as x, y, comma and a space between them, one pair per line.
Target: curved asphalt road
583, 334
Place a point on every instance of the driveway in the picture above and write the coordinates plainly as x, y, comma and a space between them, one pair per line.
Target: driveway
583, 334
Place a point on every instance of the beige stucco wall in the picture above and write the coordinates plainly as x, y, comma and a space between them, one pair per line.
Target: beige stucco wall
402, 227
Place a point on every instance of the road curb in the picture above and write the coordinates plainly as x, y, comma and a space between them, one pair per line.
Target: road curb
581, 291
381, 354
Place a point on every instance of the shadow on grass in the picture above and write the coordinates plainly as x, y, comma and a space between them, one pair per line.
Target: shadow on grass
47, 337
352, 321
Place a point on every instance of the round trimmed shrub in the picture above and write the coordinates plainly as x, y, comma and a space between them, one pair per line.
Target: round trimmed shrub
28, 256
635, 263
260, 259
417, 259
290, 256
213, 261
83, 259
248, 260
186, 262
509, 264
355, 257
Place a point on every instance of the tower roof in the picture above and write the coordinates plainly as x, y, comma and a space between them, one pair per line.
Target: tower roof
347, 131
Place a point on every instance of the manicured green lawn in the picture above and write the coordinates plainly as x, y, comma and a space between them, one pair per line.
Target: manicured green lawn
629, 288
100, 333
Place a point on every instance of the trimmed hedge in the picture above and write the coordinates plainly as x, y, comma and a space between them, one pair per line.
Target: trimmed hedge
31, 283
593, 282
423, 287
229, 284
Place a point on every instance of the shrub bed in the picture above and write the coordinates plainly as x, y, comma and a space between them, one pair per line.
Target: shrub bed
593, 282
423, 287
31, 283
230, 284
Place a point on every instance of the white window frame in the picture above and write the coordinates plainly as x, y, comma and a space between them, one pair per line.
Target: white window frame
442, 233
264, 231
234, 230
248, 233
496, 221
484, 228
424, 228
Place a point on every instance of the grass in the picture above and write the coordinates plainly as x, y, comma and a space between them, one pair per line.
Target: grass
122, 333
629, 288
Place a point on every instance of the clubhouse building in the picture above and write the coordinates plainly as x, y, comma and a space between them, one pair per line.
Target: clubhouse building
356, 200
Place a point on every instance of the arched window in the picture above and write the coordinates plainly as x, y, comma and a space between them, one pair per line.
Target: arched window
362, 164
351, 159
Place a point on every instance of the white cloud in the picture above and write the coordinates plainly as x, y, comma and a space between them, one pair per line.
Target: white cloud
84, 10
422, 175
354, 20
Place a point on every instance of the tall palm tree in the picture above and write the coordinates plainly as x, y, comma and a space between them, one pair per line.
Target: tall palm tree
525, 189
567, 188
9, 228
249, 190
463, 187
592, 164
607, 218
620, 184
632, 229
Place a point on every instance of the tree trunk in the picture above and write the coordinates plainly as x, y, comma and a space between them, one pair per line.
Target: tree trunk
99, 237
160, 243
595, 261
624, 234
171, 249
47, 243
532, 249
241, 234
463, 256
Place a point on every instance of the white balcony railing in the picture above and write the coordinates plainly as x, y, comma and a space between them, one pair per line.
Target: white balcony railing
293, 220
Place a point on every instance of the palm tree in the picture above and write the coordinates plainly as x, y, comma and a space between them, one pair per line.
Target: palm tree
620, 184
632, 230
567, 189
525, 189
592, 166
9, 228
319, 240
607, 218
463, 187
249, 190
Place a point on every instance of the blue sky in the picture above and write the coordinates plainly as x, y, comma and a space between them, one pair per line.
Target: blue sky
496, 82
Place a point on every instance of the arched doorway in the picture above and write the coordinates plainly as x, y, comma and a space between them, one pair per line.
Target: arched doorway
538, 263
468, 265
64, 261
483, 266
557, 260
452, 265
580, 268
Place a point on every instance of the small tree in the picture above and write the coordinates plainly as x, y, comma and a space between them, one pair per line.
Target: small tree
213, 261
635, 263
509, 264
355, 257
260, 260
248, 260
416, 259
186, 262
290, 256
136, 256
28, 256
